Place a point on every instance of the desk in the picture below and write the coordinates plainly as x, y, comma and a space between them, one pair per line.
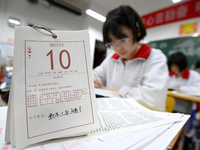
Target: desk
184, 102
184, 97
175, 139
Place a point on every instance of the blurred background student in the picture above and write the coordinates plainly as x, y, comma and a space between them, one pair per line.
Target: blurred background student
134, 71
197, 66
181, 78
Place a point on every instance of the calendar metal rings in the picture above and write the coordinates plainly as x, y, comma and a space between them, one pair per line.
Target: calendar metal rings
36, 26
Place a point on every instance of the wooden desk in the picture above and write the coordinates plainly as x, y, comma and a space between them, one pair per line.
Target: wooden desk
184, 97
183, 102
175, 139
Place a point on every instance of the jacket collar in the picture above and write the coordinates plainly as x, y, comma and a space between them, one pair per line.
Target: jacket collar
143, 53
185, 74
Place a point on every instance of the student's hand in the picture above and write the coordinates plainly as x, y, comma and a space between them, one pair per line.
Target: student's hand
111, 89
97, 82
173, 89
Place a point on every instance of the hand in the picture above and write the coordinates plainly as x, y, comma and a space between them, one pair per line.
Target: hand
97, 82
111, 89
173, 89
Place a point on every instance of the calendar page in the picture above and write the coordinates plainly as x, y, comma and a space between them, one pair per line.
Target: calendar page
53, 86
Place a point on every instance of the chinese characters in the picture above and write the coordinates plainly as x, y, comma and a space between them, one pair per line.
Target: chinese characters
64, 113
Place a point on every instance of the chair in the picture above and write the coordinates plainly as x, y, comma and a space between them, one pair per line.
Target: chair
170, 103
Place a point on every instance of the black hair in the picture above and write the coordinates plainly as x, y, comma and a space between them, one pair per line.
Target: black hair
197, 64
179, 59
123, 16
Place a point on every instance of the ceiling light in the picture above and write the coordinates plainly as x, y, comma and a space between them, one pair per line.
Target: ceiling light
195, 35
144, 41
14, 22
176, 1
95, 15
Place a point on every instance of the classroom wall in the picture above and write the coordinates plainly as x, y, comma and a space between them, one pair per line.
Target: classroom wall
49, 16
56, 18
169, 30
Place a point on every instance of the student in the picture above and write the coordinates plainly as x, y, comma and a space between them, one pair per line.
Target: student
181, 77
135, 71
197, 66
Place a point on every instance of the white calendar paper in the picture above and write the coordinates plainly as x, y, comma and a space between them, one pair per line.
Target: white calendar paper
52, 92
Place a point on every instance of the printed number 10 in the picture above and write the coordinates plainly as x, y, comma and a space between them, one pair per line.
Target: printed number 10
60, 59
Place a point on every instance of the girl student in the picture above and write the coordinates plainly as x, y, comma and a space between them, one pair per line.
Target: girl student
182, 78
134, 71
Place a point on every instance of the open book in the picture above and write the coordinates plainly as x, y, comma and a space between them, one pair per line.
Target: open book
52, 91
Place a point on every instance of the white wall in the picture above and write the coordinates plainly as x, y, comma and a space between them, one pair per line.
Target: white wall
169, 30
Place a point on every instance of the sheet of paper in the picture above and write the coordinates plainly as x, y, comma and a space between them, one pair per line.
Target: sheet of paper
126, 114
164, 140
128, 140
3, 112
53, 86
10, 131
106, 93
162, 130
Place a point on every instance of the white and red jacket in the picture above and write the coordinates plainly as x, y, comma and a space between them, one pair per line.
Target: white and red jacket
143, 78
189, 81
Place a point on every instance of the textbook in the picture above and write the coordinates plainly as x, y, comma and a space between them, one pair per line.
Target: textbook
52, 90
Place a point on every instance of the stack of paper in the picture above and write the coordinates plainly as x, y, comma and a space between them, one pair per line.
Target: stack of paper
123, 124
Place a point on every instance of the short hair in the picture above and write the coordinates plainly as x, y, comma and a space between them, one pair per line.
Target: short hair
179, 59
123, 16
197, 64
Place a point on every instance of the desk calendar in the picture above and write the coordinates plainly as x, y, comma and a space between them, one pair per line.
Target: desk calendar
52, 91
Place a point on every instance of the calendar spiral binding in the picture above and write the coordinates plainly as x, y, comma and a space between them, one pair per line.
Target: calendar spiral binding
36, 27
